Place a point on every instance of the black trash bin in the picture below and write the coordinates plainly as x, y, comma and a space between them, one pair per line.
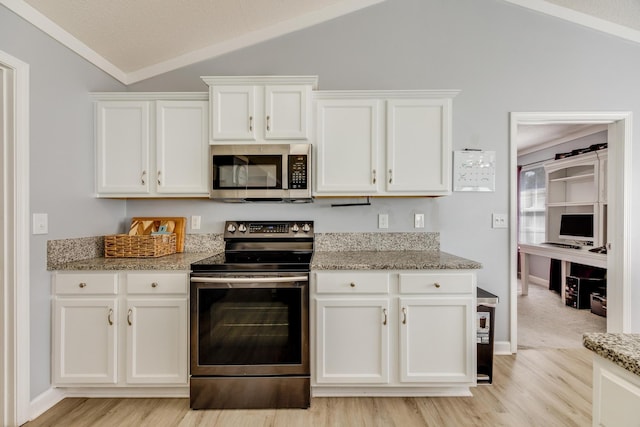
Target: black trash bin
486, 302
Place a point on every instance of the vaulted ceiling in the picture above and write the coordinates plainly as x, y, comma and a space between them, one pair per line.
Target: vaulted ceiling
135, 40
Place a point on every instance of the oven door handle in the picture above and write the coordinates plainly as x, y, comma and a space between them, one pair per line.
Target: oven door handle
240, 280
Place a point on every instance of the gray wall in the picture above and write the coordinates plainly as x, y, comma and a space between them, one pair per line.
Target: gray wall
504, 58
61, 164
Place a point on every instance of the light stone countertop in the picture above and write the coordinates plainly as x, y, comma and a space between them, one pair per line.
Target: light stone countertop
178, 261
390, 260
621, 349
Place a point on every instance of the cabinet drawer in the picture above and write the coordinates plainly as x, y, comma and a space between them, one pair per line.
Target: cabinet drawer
436, 283
86, 284
353, 283
154, 283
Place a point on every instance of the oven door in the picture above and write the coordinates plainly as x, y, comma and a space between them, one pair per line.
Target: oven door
250, 325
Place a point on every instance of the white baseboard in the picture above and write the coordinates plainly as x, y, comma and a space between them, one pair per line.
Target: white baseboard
44, 402
536, 280
502, 348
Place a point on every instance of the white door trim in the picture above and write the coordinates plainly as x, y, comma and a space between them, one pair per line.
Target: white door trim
619, 197
14, 376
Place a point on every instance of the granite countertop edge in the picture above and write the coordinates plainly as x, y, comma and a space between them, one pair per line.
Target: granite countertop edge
322, 260
390, 260
623, 349
178, 261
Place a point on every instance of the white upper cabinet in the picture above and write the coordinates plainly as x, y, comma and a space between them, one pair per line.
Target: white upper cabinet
259, 109
383, 143
151, 145
122, 147
418, 145
348, 139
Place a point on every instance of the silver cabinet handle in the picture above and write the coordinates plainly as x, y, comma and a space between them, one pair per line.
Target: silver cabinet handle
110, 316
437, 285
251, 123
384, 312
144, 173
404, 315
374, 176
82, 285
159, 182
129, 317
154, 285
353, 285
390, 176
268, 123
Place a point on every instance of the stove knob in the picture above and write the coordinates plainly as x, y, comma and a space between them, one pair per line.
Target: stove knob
231, 228
306, 228
295, 228
242, 228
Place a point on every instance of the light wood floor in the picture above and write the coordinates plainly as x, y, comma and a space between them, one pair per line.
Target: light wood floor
548, 387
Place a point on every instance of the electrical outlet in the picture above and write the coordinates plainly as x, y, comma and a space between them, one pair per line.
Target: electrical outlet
195, 222
418, 220
383, 221
499, 221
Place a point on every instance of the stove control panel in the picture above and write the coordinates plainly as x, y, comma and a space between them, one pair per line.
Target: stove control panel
237, 229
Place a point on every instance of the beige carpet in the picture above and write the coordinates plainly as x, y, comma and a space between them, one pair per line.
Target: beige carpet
544, 322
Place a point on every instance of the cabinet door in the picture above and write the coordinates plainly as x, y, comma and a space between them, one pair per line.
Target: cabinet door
348, 133
84, 341
286, 111
352, 340
233, 112
122, 144
418, 146
437, 340
157, 341
182, 147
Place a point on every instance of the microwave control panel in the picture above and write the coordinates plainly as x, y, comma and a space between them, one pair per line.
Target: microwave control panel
297, 172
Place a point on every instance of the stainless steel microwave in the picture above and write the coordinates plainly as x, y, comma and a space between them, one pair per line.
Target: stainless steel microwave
261, 172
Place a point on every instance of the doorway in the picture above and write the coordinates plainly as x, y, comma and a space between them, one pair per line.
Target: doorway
14, 240
619, 183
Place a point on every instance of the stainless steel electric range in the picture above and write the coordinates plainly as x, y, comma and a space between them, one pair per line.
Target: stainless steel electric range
250, 318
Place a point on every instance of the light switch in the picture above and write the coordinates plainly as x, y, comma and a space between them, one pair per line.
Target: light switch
499, 221
40, 223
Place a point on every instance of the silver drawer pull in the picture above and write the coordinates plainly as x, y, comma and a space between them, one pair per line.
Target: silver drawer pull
437, 285
353, 285
82, 285
154, 285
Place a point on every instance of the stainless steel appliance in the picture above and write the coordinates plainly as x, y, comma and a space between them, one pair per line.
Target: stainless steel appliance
250, 318
261, 172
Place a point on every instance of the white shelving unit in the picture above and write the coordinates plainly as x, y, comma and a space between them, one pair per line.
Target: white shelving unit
577, 184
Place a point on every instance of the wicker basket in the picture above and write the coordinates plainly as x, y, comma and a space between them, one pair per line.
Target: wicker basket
141, 246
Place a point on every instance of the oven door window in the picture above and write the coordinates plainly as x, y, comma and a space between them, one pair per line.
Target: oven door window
247, 172
250, 326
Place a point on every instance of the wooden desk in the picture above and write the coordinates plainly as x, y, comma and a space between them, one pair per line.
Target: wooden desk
565, 255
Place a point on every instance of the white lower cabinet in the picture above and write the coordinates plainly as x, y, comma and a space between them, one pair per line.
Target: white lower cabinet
146, 343
393, 333
85, 340
616, 394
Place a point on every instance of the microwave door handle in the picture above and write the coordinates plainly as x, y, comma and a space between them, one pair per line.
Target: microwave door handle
240, 280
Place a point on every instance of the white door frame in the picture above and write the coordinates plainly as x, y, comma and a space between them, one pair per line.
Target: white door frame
619, 211
14, 241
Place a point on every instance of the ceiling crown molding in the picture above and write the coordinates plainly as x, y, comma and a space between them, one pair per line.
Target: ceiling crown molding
580, 18
40, 21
